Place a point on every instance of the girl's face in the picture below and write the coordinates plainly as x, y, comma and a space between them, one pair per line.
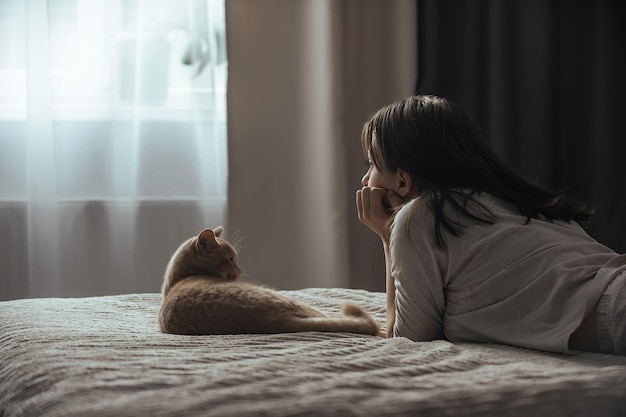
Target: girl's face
380, 178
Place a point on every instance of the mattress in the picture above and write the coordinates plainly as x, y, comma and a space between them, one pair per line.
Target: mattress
105, 356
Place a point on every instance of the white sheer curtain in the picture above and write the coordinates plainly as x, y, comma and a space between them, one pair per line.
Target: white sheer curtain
303, 77
112, 140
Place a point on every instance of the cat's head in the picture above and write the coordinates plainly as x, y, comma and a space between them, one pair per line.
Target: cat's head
204, 255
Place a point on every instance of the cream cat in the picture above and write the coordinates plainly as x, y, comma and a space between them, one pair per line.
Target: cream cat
202, 295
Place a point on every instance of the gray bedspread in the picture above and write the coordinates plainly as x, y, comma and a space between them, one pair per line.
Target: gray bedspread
105, 356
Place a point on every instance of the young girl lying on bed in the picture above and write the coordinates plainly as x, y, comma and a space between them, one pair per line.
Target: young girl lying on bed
474, 251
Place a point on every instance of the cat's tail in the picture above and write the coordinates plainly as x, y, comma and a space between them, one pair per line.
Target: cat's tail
349, 309
353, 310
354, 320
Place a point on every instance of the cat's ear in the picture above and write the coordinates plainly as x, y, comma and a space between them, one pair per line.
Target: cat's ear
218, 231
206, 240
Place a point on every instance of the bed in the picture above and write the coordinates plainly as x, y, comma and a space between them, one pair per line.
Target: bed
105, 356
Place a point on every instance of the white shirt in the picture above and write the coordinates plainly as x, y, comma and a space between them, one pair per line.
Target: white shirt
511, 282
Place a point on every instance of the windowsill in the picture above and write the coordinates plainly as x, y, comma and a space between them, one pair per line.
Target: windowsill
105, 200
206, 107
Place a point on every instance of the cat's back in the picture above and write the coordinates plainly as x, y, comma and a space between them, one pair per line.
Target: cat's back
203, 305
209, 291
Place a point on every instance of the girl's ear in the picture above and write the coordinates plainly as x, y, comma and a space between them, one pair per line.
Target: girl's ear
404, 182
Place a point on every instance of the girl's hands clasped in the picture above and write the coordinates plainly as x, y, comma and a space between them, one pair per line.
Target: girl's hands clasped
375, 208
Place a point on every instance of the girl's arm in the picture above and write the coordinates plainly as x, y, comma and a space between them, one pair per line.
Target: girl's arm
420, 296
390, 288
373, 206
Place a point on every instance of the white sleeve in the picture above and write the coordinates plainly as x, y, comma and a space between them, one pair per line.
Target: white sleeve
415, 266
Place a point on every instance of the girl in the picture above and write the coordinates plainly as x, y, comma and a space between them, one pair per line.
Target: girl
475, 252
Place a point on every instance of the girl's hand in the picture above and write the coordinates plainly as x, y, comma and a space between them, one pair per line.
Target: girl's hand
375, 208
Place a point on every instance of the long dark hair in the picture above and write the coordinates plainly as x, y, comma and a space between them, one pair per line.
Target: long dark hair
439, 145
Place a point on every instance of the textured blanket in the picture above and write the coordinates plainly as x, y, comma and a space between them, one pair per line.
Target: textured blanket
105, 356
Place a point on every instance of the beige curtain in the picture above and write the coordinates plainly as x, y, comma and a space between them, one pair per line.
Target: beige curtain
304, 75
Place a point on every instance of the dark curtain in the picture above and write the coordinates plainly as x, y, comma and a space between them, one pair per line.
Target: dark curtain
545, 81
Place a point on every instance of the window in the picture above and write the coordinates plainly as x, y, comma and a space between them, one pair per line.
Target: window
97, 59
113, 137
